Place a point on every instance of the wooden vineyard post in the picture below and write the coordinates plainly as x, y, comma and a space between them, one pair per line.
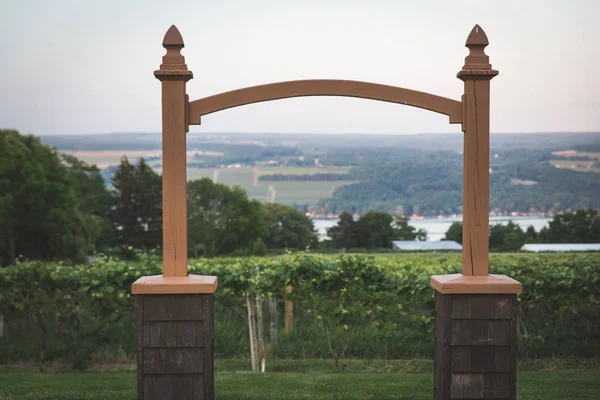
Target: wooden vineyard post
475, 312
289, 312
174, 309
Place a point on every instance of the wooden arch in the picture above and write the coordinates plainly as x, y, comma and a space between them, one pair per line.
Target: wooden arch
473, 112
175, 350
324, 87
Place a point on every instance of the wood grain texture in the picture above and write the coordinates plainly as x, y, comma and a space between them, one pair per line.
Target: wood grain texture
481, 349
325, 87
288, 316
476, 74
159, 284
173, 74
175, 346
461, 284
140, 345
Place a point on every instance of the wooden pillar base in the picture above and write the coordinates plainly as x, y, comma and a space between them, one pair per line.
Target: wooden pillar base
175, 346
475, 346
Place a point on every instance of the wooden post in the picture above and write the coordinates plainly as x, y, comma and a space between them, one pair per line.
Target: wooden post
252, 331
476, 74
273, 321
475, 331
174, 309
289, 312
173, 74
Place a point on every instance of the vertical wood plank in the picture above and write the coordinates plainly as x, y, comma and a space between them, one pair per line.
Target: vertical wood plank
513, 346
288, 312
502, 307
476, 74
175, 361
483, 359
443, 350
158, 387
156, 307
139, 300
208, 381
482, 306
461, 359
183, 386
461, 306
467, 386
173, 75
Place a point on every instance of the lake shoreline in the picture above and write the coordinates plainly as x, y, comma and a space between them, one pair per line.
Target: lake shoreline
436, 227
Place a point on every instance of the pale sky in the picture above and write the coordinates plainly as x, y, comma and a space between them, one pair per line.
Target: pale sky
80, 66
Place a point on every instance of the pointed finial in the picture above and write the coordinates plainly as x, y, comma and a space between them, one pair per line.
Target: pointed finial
477, 37
477, 62
173, 37
173, 63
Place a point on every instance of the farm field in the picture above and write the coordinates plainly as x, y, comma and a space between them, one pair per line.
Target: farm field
572, 385
285, 192
106, 158
577, 165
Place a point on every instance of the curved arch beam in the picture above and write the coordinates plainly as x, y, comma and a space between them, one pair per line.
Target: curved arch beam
324, 87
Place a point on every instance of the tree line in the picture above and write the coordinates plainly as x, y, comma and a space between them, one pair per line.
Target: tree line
56, 207
303, 177
581, 226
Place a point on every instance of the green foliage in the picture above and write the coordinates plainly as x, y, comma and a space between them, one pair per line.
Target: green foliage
404, 231
288, 228
582, 226
384, 305
221, 219
259, 248
454, 232
303, 380
373, 230
509, 237
430, 184
41, 216
136, 214
344, 234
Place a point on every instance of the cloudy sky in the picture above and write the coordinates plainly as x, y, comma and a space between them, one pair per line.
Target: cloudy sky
82, 66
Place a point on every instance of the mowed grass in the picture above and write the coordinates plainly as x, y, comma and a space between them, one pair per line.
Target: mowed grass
571, 385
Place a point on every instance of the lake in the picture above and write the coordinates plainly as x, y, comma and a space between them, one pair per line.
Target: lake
436, 228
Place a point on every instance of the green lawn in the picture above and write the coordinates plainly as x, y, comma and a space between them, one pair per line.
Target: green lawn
566, 385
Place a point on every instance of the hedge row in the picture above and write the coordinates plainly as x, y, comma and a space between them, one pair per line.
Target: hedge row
376, 307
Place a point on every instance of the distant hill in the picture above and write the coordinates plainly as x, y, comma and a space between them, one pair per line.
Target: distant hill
327, 173
310, 142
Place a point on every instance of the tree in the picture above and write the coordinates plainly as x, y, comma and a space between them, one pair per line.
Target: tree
375, 230
582, 226
259, 248
343, 235
136, 214
404, 231
454, 232
221, 219
40, 216
93, 198
507, 237
288, 228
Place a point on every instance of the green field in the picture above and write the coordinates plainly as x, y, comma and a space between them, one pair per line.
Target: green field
571, 385
285, 192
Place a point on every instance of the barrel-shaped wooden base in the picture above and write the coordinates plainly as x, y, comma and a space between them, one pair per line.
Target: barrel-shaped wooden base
475, 346
175, 347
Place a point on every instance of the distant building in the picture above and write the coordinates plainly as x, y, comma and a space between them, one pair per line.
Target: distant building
562, 247
413, 245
